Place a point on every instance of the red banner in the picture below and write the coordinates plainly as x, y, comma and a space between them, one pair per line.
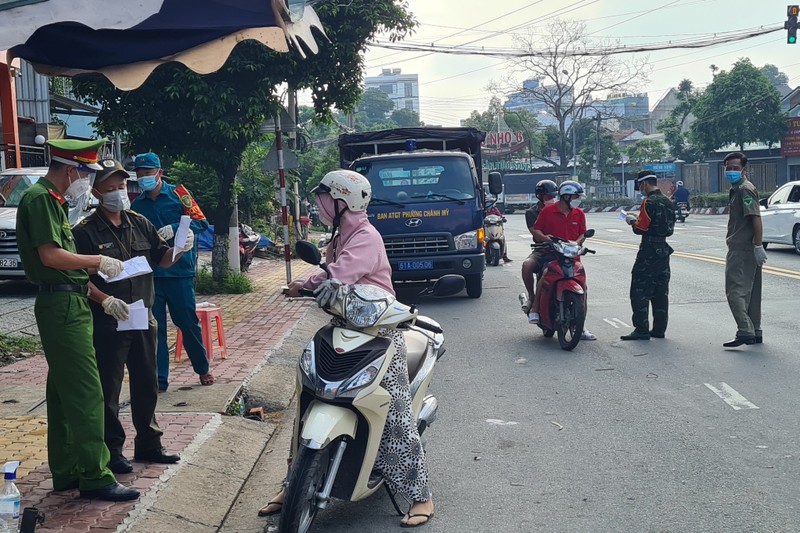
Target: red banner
507, 150
790, 144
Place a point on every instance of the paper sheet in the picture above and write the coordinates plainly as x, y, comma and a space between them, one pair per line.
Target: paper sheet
623, 215
138, 319
138, 266
180, 235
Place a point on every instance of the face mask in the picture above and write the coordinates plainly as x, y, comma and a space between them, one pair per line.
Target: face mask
324, 203
733, 175
148, 183
574, 204
77, 188
116, 201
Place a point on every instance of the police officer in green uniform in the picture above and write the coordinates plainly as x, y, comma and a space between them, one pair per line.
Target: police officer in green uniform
115, 231
651, 273
746, 253
77, 454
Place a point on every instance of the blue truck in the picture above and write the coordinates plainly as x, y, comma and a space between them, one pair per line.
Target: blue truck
427, 199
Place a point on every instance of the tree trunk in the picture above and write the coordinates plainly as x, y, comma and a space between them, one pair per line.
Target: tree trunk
219, 253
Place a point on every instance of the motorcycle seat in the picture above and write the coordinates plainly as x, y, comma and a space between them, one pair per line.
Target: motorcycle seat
416, 346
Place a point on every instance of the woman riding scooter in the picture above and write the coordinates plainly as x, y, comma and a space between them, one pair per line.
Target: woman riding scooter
356, 254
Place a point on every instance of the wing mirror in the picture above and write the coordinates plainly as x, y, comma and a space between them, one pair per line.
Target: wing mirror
308, 252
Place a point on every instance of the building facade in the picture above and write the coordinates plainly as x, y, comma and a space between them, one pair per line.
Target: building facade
402, 89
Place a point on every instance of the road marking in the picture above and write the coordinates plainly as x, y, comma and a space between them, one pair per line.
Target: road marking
611, 323
616, 322
730, 396
775, 271
498, 422
621, 322
614, 230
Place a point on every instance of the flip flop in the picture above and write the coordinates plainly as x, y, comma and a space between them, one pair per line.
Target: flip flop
264, 512
588, 336
427, 518
207, 379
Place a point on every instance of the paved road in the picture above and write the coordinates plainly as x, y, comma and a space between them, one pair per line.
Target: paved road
662, 435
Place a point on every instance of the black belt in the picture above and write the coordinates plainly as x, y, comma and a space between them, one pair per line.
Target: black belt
65, 287
648, 238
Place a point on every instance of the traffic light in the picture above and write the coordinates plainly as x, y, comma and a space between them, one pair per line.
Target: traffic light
791, 24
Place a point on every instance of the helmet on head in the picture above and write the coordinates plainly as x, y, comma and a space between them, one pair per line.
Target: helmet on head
348, 186
679, 184
490, 200
570, 187
546, 188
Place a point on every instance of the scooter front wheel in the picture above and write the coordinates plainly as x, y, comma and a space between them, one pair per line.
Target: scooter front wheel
570, 327
309, 471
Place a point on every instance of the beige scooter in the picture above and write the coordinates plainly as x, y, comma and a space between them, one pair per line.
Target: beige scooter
342, 408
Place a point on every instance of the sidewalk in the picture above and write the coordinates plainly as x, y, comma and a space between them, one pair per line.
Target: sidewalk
190, 416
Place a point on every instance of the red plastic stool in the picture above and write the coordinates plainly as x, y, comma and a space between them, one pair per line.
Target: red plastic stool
205, 314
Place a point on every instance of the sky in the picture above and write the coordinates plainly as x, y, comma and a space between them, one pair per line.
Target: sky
452, 86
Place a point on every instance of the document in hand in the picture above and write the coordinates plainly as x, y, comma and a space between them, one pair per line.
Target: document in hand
180, 235
138, 266
137, 319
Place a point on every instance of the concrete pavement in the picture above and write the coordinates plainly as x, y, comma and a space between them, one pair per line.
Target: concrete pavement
218, 451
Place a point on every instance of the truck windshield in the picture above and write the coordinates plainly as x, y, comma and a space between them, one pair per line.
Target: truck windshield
420, 179
13, 186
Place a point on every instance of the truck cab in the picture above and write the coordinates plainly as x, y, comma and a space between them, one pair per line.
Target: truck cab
426, 203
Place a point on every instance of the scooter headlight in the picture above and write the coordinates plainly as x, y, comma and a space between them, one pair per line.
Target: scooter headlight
569, 249
365, 377
365, 304
307, 361
467, 241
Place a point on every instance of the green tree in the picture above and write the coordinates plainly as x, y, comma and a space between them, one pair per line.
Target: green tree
486, 120
405, 118
646, 151
609, 158
775, 76
375, 105
674, 127
210, 120
741, 106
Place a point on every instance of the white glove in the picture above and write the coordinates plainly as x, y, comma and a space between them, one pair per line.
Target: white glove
630, 218
116, 308
327, 292
761, 255
189, 241
109, 266
166, 232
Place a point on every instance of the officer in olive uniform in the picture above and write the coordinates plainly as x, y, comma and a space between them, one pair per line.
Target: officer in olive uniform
77, 454
650, 274
746, 254
117, 232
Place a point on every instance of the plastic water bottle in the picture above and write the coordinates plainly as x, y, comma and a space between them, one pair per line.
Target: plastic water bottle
10, 499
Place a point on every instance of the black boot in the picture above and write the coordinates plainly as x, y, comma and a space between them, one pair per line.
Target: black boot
636, 335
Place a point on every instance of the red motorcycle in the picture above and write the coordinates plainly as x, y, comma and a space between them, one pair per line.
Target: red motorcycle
563, 291
248, 242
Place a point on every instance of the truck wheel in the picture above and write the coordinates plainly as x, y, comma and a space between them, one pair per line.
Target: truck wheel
474, 285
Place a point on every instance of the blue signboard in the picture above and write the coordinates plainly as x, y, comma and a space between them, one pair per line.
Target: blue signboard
661, 167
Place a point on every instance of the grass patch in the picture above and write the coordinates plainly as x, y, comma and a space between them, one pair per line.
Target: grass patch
232, 283
14, 348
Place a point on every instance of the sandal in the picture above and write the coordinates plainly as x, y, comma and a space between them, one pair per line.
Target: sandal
588, 336
427, 518
207, 379
265, 511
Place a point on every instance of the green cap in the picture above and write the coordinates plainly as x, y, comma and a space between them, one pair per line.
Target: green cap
75, 152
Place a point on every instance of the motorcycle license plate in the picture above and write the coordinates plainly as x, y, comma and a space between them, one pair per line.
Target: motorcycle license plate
415, 265
8, 263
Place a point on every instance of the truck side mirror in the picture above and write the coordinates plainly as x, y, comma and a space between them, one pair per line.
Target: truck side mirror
495, 183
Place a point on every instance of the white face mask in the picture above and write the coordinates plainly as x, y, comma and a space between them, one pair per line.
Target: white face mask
116, 201
574, 204
77, 189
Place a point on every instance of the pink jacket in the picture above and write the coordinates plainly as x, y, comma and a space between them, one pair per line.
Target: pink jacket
356, 255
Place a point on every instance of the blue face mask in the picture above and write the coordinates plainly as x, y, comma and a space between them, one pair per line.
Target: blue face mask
733, 175
148, 183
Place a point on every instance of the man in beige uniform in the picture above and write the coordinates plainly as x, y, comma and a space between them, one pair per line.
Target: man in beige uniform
746, 253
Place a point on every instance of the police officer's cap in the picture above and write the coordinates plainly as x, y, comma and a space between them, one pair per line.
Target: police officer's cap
75, 152
111, 167
646, 175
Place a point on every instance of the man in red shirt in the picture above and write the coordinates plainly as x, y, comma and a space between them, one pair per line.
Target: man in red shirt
565, 221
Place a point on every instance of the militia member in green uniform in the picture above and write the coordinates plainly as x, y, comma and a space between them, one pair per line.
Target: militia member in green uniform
651, 273
77, 454
745, 255
115, 231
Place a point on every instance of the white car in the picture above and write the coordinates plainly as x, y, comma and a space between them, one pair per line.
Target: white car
780, 216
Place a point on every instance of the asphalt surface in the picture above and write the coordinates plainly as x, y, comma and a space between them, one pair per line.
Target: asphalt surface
613, 436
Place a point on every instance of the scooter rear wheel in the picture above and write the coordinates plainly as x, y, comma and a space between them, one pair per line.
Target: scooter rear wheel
571, 323
309, 471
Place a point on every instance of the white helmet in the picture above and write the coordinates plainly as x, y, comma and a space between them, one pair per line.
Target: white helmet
679, 184
570, 187
346, 185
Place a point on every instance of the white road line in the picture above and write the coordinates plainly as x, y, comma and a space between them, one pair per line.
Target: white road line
611, 323
702, 227
618, 321
614, 230
730, 396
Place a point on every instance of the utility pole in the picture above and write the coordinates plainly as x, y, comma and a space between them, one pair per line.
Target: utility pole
293, 146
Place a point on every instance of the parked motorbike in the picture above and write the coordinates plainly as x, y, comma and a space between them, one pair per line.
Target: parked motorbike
563, 297
681, 211
495, 239
248, 242
342, 409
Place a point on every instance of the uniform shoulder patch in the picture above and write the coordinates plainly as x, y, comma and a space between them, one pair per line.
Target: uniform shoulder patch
748, 201
56, 195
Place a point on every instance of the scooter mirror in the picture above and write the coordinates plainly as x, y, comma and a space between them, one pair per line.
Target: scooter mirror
589, 233
308, 252
449, 285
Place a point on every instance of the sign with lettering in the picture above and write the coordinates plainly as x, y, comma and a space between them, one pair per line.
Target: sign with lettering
661, 167
790, 144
